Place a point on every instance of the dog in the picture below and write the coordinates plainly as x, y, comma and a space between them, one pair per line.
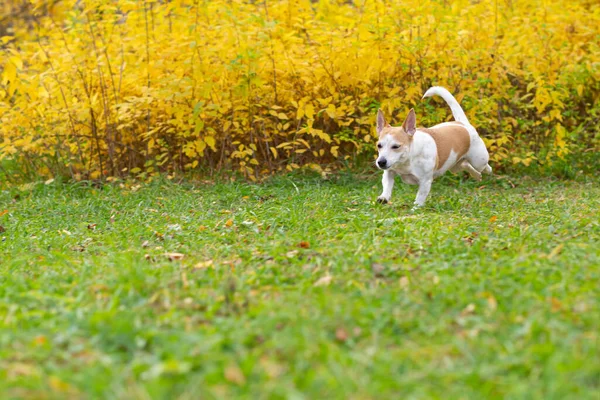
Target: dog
419, 155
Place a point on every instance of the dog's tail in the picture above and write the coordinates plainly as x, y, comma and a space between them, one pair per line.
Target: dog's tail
457, 110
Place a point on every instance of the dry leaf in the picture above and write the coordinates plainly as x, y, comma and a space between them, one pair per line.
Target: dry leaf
204, 264
229, 223
234, 374
145, 244
40, 340
341, 334
272, 368
492, 303
98, 287
493, 219
404, 282
324, 281
2, 230
3, 212
49, 181
469, 309
304, 244
556, 251
377, 269
175, 256
59, 385
92, 227
291, 254
556, 304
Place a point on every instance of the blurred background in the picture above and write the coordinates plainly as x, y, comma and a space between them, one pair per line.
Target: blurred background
98, 89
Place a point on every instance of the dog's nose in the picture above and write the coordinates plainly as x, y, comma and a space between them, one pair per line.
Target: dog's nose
382, 163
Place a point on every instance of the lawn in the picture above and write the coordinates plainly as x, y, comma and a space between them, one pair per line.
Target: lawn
301, 287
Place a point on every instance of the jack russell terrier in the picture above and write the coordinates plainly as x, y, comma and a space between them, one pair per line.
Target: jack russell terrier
419, 155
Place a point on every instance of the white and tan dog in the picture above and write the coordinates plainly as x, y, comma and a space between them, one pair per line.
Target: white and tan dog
419, 155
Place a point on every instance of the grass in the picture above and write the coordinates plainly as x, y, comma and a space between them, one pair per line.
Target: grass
300, 288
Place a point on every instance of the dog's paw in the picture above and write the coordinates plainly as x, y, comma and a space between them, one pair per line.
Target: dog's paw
417, 206
382, 200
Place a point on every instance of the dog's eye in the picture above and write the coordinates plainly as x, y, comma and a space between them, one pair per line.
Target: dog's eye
395, 147
379, 145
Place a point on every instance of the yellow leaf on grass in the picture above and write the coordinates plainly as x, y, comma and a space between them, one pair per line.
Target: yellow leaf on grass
324, 281
204, 264
234, 374
175, 256
556, 251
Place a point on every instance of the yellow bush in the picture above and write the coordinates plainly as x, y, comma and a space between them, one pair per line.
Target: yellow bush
100, 88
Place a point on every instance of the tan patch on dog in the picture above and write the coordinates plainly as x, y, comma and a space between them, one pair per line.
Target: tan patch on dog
398, 134
449, 138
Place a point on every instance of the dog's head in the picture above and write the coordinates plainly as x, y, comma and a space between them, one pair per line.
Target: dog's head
394, 142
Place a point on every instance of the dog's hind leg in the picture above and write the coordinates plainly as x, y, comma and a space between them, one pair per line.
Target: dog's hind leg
472, 171
464, 165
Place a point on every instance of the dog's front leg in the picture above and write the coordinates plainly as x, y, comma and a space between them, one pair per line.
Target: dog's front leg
424, 188
388, 184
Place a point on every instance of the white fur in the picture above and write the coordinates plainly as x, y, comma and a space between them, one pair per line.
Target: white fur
416, 163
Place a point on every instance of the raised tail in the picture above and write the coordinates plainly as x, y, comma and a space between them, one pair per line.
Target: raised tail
457, 110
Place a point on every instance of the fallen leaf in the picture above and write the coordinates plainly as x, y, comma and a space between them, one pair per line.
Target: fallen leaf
59, 385
555, 251
184, 280
404, 282
377, 269
49, 181
291, 254
324, 281
493, 219
21, 369
304, 244
175, 256
234, 374
98, 287
92, 227
202, 228
3, 212
203, 264
40, 340
145, 244
228, 223
2, 230
469, 309
272, 368
341, 334
492, 303
556, 304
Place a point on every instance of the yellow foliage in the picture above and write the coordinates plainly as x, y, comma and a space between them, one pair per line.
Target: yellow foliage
101, 87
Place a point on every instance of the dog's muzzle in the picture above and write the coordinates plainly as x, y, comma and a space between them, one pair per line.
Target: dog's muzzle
382, 163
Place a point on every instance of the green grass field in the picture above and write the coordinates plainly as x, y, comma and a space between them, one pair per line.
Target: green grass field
301, 288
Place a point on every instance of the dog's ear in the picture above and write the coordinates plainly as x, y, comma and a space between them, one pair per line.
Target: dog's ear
410, 123
381, 122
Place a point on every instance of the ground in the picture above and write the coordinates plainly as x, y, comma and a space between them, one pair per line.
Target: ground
300, 287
